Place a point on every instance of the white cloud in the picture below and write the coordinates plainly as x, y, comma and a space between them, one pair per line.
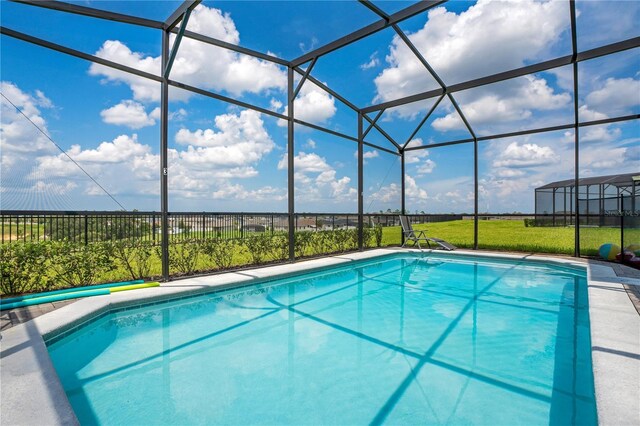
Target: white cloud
17, 134
385, 195
98, 162
426, 167
412, 157
20, 143
510, 170
209, 67
587, 114
178, 115
615, 97
196, 63
239, 192
275, 104
123, 165
510, 173
419, 158
201, 171
306, 163
603, 160
392, 192
373, 62
367, 155
42, 100
370, 154
116, 51
457, 47
312, 105
607, 21
317, 181
53, 188
241, 140
308, 47
213, 68
515, 103
525, 155
130, 114
310, 144
412, 190
122, 148
601, 134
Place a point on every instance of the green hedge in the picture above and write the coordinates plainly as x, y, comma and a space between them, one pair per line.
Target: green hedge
45, 265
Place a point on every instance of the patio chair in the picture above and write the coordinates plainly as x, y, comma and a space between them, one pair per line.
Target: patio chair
417, 236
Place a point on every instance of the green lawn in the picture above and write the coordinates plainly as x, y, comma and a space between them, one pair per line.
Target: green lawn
512, 235
493, 234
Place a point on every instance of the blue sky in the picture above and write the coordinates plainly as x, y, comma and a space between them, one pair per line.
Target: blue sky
226, 158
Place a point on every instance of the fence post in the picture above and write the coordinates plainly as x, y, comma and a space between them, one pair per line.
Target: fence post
291, 164
360, 185
203, 231
164, 163
403, 210
86, 230
622, 231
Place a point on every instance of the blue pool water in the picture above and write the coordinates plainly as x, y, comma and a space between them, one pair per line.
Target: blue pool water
402, 339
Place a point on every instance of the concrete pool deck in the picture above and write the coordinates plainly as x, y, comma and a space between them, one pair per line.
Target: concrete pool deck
33, 394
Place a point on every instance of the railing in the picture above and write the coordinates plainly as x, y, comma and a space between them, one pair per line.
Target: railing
205, 242
80, 227
94, 226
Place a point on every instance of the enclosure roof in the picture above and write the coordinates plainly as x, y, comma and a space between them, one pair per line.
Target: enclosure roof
617, 180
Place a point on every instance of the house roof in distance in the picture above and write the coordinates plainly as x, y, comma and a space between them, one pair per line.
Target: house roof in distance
617, 180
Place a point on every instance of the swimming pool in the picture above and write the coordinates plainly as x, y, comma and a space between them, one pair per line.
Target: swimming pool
402, 339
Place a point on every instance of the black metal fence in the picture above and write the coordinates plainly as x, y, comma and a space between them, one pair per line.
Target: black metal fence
93, 226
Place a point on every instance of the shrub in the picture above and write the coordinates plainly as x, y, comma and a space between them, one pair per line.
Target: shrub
183, 255
279, 246
258, 246
134, 256
78, 264
302, 242
352, 239
343, 239
316, 244
220, 251
22, 267
378, 235
322, 242
367, 236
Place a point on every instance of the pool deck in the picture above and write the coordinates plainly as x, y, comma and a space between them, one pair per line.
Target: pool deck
33, 394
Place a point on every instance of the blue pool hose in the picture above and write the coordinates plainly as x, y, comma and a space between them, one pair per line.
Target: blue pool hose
75, 294
67, 290
55, 298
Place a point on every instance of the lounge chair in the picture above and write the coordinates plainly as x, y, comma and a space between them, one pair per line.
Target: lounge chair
417, 236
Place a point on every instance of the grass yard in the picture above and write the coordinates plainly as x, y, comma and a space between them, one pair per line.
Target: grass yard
512, 235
